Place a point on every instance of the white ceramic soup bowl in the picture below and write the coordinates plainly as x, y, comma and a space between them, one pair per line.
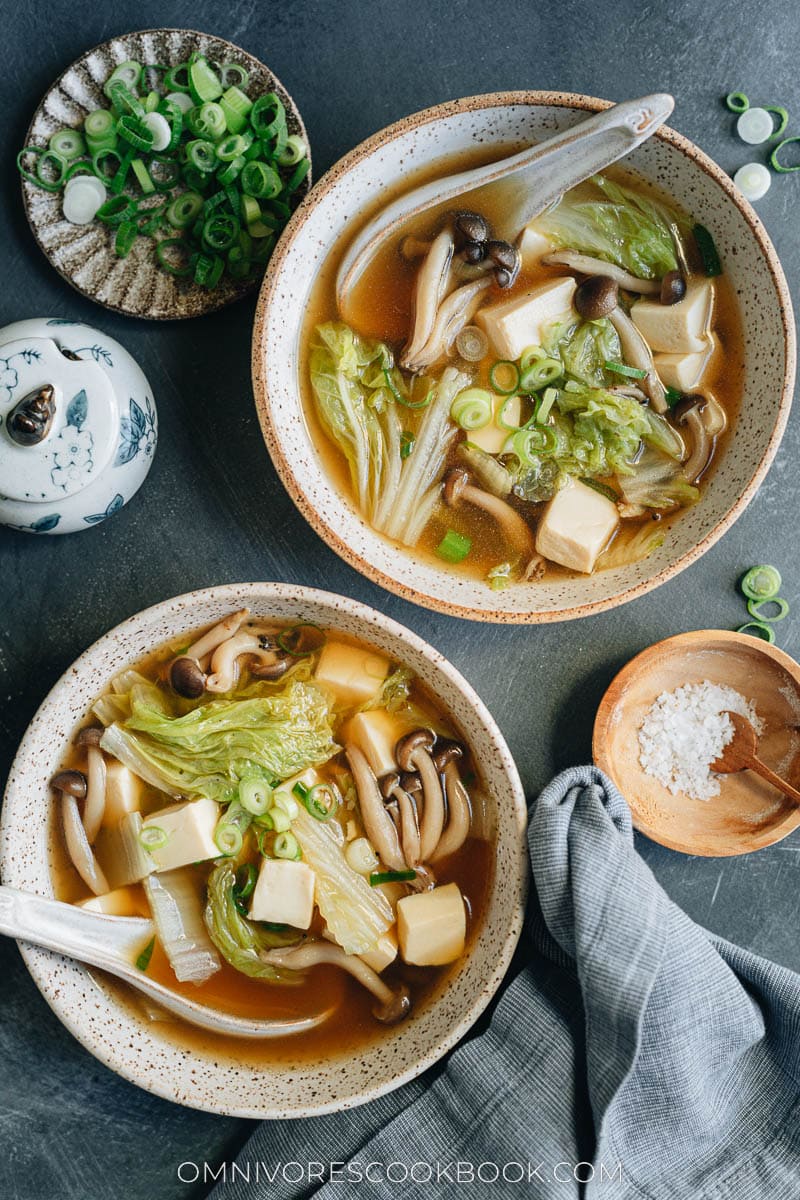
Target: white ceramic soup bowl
238, 1079
356, 183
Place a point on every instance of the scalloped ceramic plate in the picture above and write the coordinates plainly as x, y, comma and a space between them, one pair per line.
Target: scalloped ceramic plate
236, 1080
84, 254
379, 164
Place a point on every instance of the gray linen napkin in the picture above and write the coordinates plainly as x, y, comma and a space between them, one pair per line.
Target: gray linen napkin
663, 1060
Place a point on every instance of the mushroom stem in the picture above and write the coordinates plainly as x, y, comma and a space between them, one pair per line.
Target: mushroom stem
454, 313
515, 528
701, 445
409, 828
638, 354
459, 813
215, 637
378, 824
78, 847
429, 290
225, 661
586, 265
393, 1005
95, 806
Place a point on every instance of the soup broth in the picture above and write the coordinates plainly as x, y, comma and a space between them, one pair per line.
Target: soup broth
346, 710
674, 412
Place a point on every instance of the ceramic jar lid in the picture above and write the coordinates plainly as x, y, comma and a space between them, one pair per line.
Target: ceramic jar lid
77, 426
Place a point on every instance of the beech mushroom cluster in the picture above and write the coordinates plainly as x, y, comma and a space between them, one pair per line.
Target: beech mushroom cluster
80, 831
459, 489
460, 265
419, 813
212, 663
393, 1003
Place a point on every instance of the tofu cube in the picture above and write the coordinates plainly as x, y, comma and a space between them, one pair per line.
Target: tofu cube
684, 371
513, 325
122, 902
123, 793
353, 674
384, 954
376, 733
432, 926
189, 827
284, 893
576, 526
533, 246
492, 438
677, 328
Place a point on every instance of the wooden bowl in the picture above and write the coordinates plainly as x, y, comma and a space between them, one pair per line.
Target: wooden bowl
748, 814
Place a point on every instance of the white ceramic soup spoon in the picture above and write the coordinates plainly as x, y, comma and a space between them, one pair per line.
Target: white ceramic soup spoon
529, 181
113, 944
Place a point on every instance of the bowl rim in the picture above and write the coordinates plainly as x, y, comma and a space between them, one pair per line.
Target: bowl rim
206, 302
615, 691
263, 399
38, 960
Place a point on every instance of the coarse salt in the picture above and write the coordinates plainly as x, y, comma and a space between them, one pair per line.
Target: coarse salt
685, 731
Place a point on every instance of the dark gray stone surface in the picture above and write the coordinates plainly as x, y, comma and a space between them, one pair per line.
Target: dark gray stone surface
214, 511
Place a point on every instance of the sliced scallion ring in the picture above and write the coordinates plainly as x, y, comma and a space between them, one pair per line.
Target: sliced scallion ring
775, 162
255, 795
549, 397
287, 846
472, 343
321, 801
301, 640
67, 144
398, 395
472, 409
153, 837
756, 607
245, 880
504, 377
618, 368
781, 114
737, 102
454, 546
758, 629
761, 583
539, 374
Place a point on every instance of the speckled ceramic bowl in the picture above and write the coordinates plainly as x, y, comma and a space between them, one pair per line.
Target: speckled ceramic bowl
231, 1078
698, 185
84, 254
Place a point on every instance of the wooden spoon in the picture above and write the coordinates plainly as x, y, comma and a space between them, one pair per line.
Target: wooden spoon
740, 755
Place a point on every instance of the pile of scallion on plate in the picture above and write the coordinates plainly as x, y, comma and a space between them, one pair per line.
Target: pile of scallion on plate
184, 156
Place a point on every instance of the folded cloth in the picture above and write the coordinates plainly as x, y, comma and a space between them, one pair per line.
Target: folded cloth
634, 1056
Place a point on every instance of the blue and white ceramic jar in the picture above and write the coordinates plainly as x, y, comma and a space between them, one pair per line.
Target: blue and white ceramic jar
78, 426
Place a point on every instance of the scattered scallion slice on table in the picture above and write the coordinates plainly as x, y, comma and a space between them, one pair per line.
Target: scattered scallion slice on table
737, 102
761, 583
226, 165
753, 181
758, 629
756, 609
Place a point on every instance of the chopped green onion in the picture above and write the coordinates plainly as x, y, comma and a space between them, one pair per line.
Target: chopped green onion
531, 355
260, 180
127, 233
473, 408
124, 100
454, 547
775, 162
201, 155
321, 801
549, 398
532, 441
58, 165
236, 105
204, 83
293, 152
164, 252
153, 837
220, 232
209, 121
781, 114
255, 795
708, 251
761, 583
287, 846
623, 369
151, 101
754, 607
501, 419
539, 374
231, 74
407, 440
379, 877
115, 210
499, 577
177, 78
184, 209
602, 488
758, 629
231, 828
673, 396
245, 880
399, 397
143, 961
128, 74
737, 102
67, 144
511, 372
295, 640
99, 124
135, 133
142, 176
231, 147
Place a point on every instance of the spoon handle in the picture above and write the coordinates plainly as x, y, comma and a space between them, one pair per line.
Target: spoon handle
110, 943
761, 768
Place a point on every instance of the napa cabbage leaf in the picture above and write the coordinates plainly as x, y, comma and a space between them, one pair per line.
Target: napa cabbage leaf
620, 226
240, 941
